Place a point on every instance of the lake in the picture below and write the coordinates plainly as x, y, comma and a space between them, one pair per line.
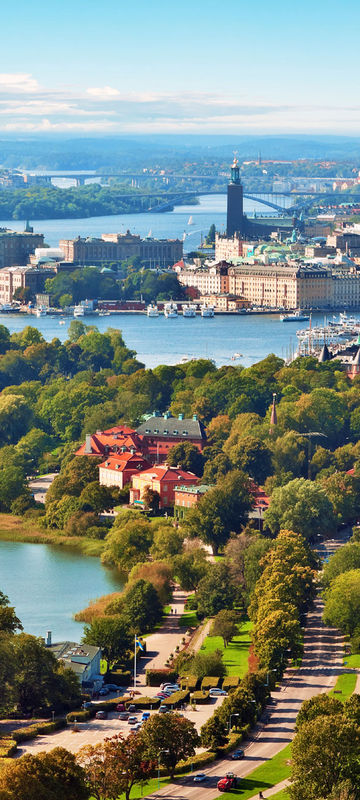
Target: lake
48, 584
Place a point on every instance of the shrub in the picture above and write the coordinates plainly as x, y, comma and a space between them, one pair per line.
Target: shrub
118, 677
201, 697
210, 682
200, 760
154, 677
82, 715
177, 699
231, 682
235, 740
145, 702
191, 683
22, 734
8, 747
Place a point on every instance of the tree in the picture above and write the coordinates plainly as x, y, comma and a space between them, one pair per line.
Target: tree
325, 752
224, 625
342, 491
158, 573
317, 706
190, 567
208, 664
172, 734
40, 681
114, 766
111, 634
140, 606
210, 238
344, 559
253, 456
9, 622
214, 733
96, 498
301, 506
215, 592
221, 510
186, 456
46, 776
352, 708
168, 542
342, 602
151, 499
128, 543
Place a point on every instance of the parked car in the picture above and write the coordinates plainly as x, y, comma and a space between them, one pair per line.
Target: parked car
162, 695
101, 715
237, 754
145, 715
132, 707
103, 691
124, 715
120, 707
217, 692
200, 777
163, 709
113, 688
132, 720
170, 686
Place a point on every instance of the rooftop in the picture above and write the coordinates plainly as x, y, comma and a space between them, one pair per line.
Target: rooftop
171, 426
201, 489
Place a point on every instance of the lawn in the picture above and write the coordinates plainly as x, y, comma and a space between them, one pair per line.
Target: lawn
345, 684
269, 774
189, 618
352, 661
283, 795
235, 655
147, 788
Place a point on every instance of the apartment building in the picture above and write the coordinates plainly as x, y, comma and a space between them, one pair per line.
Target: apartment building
19, 277
271, 287
208, 280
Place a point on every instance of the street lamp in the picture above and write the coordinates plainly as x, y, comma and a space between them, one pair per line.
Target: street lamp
309, 436
267, 676
230, 718
159, 754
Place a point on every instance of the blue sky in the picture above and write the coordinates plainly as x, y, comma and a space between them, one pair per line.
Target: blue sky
194, 66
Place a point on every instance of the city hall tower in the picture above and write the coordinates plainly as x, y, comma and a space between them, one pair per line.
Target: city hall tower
235, 215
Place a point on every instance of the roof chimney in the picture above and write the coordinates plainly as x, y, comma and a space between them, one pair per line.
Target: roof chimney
48, 639
88, 448
181, 416
195, 416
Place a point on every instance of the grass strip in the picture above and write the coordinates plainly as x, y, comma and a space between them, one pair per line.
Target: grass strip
352, 661
235, 655
345, 685
270, 773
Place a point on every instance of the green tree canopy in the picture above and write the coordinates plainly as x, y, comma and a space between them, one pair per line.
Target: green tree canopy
342, 602
301, 506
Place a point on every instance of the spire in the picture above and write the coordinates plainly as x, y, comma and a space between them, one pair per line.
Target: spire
356, 359
273, 418
324, 355
235, 172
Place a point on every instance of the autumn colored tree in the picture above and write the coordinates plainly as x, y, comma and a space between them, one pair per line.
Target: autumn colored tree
176, 736
114, 766
54, 775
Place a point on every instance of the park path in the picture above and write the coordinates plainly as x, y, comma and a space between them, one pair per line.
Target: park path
160, 644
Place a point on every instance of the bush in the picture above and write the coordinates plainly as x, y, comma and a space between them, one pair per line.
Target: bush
201, 697
191, 683
154, 677
118, 677
231, 682
22, 734
8, 747
210, 683
198, 761
82, 715
145, 702
235, 740
177, 699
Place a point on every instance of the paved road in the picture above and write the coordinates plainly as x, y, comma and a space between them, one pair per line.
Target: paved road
321, 665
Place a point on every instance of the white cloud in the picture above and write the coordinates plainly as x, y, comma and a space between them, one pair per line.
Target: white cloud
15, 82
46, 125
103, 93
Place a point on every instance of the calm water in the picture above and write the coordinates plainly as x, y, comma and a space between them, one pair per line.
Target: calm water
48, 584
172, 224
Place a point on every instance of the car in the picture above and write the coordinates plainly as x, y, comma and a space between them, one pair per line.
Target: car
227, 783
163, 709
113, 688
87, 705
170, 686
217, 693
136, 727
120, 707
103, 691
101, 715
237, 755
124, 715
145, 715
132, 720
163, 694
201, 776
132, 707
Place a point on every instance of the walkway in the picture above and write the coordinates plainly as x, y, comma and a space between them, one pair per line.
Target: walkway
160, 644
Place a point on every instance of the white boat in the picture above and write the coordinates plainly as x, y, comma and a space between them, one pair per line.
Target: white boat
61, 322
6, 308
207, 311
189, 310
190, 221
170, 310
79, 311
152, 310
296, 316
40, 311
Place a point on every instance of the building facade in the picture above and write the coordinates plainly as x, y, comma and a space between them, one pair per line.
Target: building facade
207, 280
186, 497
15, 248
269, 287
119, 247
13, 278
161, 479
235, 212
118, 469
227, 248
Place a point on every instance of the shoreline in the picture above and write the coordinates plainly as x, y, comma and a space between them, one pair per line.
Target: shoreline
14, 529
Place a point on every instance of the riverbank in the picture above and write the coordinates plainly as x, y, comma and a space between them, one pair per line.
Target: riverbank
18, 529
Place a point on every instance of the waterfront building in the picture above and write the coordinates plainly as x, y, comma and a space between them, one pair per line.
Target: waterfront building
112, 247
15, 247
19, 277
225, 302
271, 287
207, 280
161, 479
83, 659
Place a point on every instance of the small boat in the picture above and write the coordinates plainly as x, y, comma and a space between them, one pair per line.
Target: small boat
152, 310
207, 311
170, 310
61, 322
189, 310
190, 221
40, 311
236, 356
296, 316
79, 311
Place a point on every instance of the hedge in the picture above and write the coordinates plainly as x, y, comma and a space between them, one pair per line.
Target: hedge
22, 734
8, 747
154, 677
191, 683
200, 760
231, 682
210, 683
177, 699
119, 677
145, 702
201, 697
234, 740
82, 715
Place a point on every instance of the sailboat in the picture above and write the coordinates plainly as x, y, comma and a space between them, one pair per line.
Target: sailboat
190, 221
149, 236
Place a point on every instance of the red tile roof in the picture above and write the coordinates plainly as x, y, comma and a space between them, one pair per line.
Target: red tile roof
167, 473
125, 461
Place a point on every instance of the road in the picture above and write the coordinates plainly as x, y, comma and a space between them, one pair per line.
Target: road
321, 665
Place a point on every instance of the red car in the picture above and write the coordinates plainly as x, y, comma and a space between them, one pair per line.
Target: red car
228, 783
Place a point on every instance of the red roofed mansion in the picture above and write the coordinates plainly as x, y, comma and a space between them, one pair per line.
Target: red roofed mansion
161, 479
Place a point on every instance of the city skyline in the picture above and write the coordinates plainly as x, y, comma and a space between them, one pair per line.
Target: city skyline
194, 68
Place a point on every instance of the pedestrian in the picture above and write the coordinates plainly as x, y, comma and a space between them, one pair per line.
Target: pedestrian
171, 611
261, 796
175, 612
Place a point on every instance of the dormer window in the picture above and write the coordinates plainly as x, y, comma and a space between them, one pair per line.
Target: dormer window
147, 430
185, 433
156, 430
176, 433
